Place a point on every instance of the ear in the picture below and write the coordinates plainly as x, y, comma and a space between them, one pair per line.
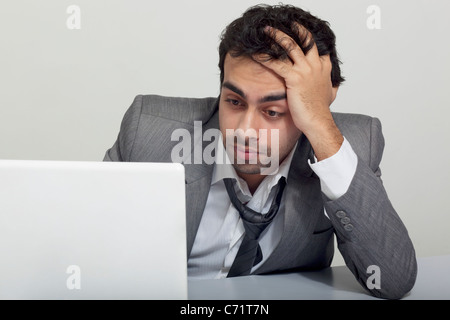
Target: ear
334, 91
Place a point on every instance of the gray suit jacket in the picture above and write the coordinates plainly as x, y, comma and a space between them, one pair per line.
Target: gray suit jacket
371, 233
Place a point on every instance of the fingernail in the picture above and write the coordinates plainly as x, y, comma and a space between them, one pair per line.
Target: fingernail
267, 28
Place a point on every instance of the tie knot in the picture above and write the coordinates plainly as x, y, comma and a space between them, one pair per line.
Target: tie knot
255, 222
254, 230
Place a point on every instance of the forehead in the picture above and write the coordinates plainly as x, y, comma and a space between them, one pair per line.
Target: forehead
251, 75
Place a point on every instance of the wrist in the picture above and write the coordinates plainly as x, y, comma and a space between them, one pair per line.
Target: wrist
325, 137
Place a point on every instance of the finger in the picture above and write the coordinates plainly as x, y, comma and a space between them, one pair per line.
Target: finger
280, 67
307, 40
287, 43
304, 35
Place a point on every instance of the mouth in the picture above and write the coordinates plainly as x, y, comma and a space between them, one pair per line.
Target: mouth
245, 153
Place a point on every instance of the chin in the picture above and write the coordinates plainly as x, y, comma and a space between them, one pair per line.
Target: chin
248, 168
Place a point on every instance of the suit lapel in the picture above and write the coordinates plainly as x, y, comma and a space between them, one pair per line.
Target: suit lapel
198, 183
303, 204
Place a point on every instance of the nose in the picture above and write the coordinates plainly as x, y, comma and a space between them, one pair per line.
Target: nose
249, 123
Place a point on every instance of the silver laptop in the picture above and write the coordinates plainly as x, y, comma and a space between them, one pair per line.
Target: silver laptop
92, 230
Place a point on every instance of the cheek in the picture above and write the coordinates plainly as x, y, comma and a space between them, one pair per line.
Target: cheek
226, 121
222, 121
287, 139
224, 117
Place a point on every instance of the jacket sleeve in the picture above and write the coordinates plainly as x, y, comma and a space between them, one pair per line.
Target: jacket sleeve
371, 237
122, 148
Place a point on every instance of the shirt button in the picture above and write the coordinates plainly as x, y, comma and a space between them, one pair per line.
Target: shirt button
345, 220
341, 214
348, 227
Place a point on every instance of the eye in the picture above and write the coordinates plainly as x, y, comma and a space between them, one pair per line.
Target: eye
273, 114
233, 102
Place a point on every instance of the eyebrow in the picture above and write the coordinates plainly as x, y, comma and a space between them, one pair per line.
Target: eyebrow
269, 98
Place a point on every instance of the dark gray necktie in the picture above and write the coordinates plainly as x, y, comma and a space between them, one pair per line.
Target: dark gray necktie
249, 253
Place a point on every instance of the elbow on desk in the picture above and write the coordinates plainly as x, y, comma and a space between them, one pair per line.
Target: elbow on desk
384, 274
393, 285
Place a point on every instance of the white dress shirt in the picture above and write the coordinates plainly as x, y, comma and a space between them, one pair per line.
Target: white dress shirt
221, 229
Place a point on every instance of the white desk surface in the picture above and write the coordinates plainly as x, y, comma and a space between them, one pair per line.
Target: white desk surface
433, 282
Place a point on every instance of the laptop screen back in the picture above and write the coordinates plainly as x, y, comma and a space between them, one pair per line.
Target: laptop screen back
92, 230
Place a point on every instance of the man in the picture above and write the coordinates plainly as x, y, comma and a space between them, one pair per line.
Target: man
279, 74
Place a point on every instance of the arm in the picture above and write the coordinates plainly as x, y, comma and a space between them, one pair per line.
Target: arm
369, 231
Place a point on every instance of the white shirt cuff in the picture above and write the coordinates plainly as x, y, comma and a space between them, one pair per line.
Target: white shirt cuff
336, 173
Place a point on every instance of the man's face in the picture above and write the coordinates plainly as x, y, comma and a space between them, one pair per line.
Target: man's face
253, 101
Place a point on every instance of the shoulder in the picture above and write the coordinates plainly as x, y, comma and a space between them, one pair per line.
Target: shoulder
147, 127
354, 123
180, 109
364, 133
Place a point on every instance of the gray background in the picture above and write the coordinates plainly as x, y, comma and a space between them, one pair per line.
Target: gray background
63, 92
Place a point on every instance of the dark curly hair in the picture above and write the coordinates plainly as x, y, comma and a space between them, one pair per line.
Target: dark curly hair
246, 36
